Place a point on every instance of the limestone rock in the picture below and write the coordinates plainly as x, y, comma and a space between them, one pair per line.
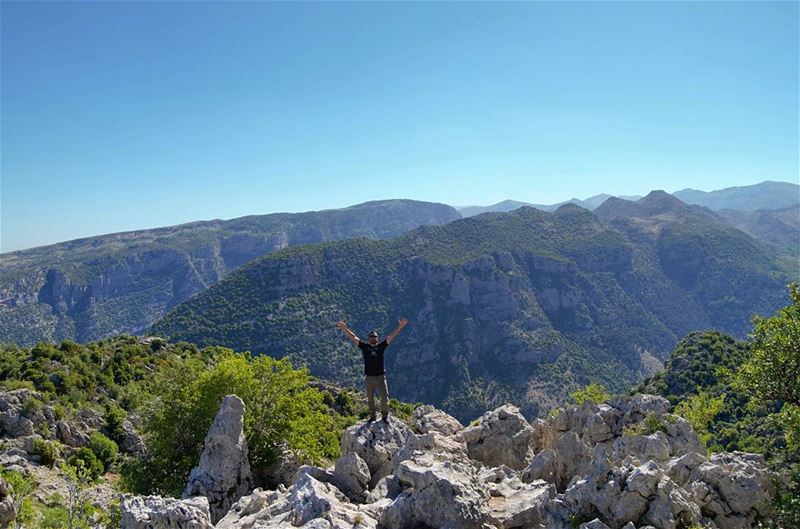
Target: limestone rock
14, 421
501, 437
71, 435
672, 507
8, 508
132, 442
377, 443
351, 476
428, 419
594, 524
517, 504
155, 512
733, 489
223, 474
325, 475
437, 493
308, 503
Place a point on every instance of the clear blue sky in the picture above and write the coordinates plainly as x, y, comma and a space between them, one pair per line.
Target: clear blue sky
118, 116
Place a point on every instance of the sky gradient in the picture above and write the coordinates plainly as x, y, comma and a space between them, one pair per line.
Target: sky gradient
119, 116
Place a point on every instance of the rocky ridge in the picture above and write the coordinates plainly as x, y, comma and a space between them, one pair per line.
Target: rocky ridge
627, 463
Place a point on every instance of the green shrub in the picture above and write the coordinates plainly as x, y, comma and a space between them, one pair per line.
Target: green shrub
650, 425
114, 418
700, 409
104, 448
280, 408
30, 406
12, 384
594, 393
47, 450
84, 461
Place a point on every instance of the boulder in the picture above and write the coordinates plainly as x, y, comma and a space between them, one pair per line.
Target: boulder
8, 508
437, 492
308, 503
71, 434
517, 504
428, 419
155, 512
132, 442
223, 474
672, 507
501, 437
569, 458
377, 444
732, 489
14, 421
351, 476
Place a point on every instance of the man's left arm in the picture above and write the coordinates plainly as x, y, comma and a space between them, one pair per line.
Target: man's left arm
402, 323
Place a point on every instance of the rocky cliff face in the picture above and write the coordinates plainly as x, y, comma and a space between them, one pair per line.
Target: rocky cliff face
121, 283
624, 464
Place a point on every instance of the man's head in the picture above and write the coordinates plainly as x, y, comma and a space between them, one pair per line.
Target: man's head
373, 337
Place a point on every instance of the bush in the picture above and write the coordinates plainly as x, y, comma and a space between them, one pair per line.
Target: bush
594, 393
30, 406
700, 409
84, 461
280, 408
104, 448
114, 418
47, 450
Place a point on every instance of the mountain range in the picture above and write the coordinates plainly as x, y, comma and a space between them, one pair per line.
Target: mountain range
121, 283
518, 306
767, 195
521, 306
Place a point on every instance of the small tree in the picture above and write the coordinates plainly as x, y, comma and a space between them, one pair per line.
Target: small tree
773, 370
79, 477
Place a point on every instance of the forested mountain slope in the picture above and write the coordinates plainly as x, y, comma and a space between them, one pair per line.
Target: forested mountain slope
521, 306
121, 283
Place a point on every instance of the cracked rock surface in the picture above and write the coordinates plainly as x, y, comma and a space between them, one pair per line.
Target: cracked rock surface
598, 465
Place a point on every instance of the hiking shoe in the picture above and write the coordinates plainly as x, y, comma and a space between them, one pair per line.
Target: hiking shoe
385, 419
371, 419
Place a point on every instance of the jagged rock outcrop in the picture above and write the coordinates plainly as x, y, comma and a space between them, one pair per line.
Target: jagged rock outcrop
155, 512
223, 474
351, 475
377, 444
428, 419
309, 503
8, 508
615, 464
501, 437
14, 420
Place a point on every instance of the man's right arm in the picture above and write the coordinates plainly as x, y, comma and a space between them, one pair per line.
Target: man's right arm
350, 334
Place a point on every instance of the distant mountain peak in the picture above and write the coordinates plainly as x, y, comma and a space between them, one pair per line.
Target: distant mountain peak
659, 201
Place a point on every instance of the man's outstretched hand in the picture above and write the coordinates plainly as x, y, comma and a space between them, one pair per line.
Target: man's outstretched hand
403, 322
342, 325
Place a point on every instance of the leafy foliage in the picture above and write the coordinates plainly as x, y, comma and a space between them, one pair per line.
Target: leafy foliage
281, 410
593, 393
772, 373
740, 396
104, 448
700, 410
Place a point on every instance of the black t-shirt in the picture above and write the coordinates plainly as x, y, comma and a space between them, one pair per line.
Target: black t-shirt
373, 357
